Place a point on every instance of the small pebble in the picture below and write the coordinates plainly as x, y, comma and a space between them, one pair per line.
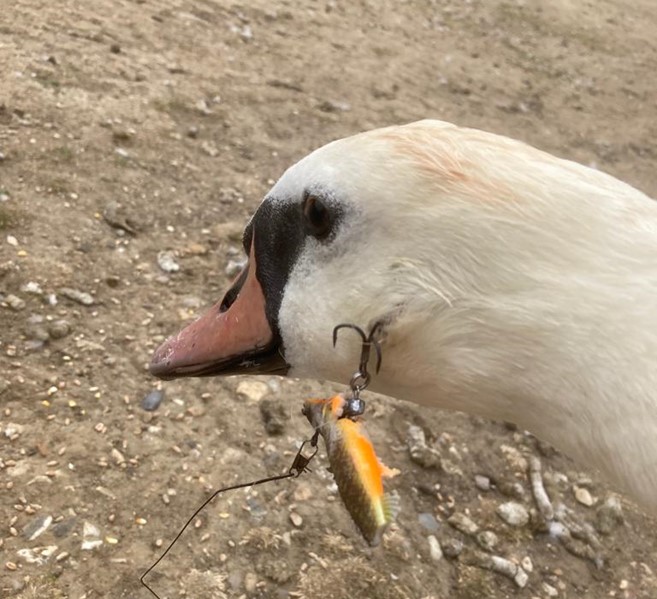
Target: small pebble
13, 430
152, 400
117, 456
252, 390
246, 33
32, 287
64, 528
609, 515
435, 551
549, 590
122, 135
274, 415
203, 107
196, 249
419, 451
167, 262
11, 240
15, 302
521, 578
527, 564
487, 540
583, 496
482, 482
428, 521
463, 524
513, 513
331, 106
81, 297
90, 530
296, 519
90, 544
58, 329
452, 548
210, 149
112, 281
303, 492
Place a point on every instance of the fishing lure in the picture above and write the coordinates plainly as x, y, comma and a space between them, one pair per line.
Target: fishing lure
357, 470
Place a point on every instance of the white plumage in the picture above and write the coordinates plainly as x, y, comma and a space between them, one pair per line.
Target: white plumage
518, 286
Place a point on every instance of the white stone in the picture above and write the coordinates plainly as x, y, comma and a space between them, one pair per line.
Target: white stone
90, 530
252, 390
13, 429
167, 262
513, 513
91, 544
435, 551
584, 496
521, 579
32, 287
482, 482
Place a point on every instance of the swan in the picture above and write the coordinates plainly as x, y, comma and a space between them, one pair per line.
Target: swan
509, 283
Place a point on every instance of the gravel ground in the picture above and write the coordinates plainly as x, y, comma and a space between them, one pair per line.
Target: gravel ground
136, 136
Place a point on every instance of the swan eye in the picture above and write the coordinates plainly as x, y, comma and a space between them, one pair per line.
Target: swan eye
317, 217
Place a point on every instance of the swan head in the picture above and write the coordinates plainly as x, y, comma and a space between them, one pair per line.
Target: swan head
341, 237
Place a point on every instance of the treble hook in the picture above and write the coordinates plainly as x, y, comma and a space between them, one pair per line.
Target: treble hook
361, 378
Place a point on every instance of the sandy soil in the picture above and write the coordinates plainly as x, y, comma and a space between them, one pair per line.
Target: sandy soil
132, 128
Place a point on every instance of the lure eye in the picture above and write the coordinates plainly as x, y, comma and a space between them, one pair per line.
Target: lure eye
317, 217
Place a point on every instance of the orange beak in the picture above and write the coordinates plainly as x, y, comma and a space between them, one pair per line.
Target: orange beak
233, 337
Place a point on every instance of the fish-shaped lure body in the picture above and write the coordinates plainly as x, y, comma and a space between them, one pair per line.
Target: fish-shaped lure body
357, 471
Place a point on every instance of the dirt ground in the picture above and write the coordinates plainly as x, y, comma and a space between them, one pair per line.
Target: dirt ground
136, 134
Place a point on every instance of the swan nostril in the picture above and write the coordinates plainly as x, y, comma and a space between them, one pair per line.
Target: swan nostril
233, 292
229, 299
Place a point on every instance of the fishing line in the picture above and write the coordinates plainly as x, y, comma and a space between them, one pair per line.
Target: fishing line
298, 467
